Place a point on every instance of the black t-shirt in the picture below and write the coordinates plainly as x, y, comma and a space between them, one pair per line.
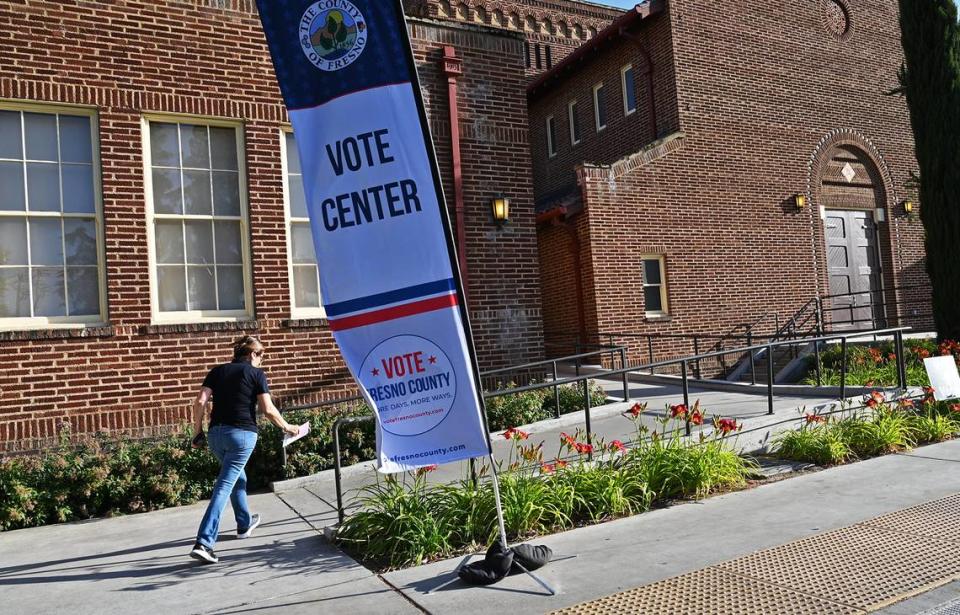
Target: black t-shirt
235, 388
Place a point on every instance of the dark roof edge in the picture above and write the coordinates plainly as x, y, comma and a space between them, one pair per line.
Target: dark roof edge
630, 18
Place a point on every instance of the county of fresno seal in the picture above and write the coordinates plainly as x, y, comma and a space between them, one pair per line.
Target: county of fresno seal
333, 33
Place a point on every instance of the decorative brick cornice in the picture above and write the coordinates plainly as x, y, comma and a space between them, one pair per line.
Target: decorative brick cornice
57, 334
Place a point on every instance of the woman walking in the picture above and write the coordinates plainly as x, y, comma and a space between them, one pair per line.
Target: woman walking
237, 388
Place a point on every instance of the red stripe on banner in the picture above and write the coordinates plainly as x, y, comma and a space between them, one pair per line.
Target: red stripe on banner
393, 313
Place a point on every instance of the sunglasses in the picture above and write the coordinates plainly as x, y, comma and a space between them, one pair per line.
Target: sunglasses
259, 353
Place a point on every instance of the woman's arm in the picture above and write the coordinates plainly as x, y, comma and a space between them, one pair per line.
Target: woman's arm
273, 415
198, 407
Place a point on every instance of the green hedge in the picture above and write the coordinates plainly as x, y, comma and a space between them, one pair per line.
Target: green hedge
110, 475
876, 364
529, 407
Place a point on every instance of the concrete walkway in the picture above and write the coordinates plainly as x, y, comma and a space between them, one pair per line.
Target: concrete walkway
139, 563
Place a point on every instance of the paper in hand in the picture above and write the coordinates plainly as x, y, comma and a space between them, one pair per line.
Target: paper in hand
304, 430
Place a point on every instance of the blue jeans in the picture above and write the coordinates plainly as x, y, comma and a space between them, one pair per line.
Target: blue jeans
233, 448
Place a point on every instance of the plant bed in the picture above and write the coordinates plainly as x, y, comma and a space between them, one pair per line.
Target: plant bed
408, 521
880, 427
530, 407
875, 365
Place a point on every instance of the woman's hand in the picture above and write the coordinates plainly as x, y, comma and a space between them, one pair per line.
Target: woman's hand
291, 430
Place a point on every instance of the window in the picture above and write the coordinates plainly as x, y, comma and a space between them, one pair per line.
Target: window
197, 221
302, 260
551, 137
549, 56
574, 122
599, 107
539, 57
654, 286
51, 245
526, 54
629, 90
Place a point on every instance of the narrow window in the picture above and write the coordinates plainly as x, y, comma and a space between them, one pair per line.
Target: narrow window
551, 138
526, 54
302, 260
599, 107
549, 57
539, 60
198, 220
654, 286
629, 90
574, 122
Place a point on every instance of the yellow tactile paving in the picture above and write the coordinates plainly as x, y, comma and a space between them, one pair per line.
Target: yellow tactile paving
856, 569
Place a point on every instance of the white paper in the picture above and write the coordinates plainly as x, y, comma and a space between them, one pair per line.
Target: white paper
304, 430
944, 377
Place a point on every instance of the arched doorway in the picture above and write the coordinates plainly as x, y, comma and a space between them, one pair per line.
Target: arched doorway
851, 191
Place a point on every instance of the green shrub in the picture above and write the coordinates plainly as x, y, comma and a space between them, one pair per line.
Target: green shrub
819, 444
109, 475
507, 411
887, 431
876, 364
571, 398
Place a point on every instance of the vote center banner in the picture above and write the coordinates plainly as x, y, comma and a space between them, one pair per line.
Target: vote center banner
388, 279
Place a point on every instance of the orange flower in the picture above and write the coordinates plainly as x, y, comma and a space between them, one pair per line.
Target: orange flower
906, 403
875, 399
636, 410
696, 417
954, 407
515, 434
425, 469
560, 463
567, 440
548, 468
617, 445
815, 418
583, 449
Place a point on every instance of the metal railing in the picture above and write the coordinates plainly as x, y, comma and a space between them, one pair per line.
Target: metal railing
685, 363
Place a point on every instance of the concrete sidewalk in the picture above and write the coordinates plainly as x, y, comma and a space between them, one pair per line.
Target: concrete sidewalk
139, 563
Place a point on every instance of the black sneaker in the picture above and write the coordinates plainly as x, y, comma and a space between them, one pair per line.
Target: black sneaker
204, 554
254, 522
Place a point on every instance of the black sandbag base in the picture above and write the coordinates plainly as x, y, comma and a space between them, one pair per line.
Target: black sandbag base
500, 562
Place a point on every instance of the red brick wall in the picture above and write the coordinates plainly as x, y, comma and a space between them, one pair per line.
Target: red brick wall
561, 25
172, 56
624, 134
762, 88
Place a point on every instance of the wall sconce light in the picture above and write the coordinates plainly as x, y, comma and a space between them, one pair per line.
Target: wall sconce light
500, 206
908, 207
800, 201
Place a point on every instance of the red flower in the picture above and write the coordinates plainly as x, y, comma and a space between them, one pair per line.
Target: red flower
726, 426
567, 440
954, 407
923, 353
515, 434
875, 399
583, 449
425, 469
696, 417
617, 445
548, 468
815, 418
636, 410
678, 411
906, 403
892, 356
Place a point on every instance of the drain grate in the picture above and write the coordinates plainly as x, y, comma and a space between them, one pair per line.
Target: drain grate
850, 570
714, 591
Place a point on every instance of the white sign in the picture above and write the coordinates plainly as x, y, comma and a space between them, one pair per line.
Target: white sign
944, 377
304, 430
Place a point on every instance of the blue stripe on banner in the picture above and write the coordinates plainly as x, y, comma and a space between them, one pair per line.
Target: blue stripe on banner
393, 296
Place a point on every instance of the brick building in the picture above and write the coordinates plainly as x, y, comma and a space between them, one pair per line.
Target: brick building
150, 208
700, 164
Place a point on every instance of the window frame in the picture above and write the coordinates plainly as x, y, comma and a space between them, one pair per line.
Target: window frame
574, 126
296, 313
26, 323
664, 299
623, 90
158, 317
596, 108
551, 128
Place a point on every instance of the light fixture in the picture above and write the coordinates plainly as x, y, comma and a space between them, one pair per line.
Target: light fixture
800, 201
908, 207
500, 206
